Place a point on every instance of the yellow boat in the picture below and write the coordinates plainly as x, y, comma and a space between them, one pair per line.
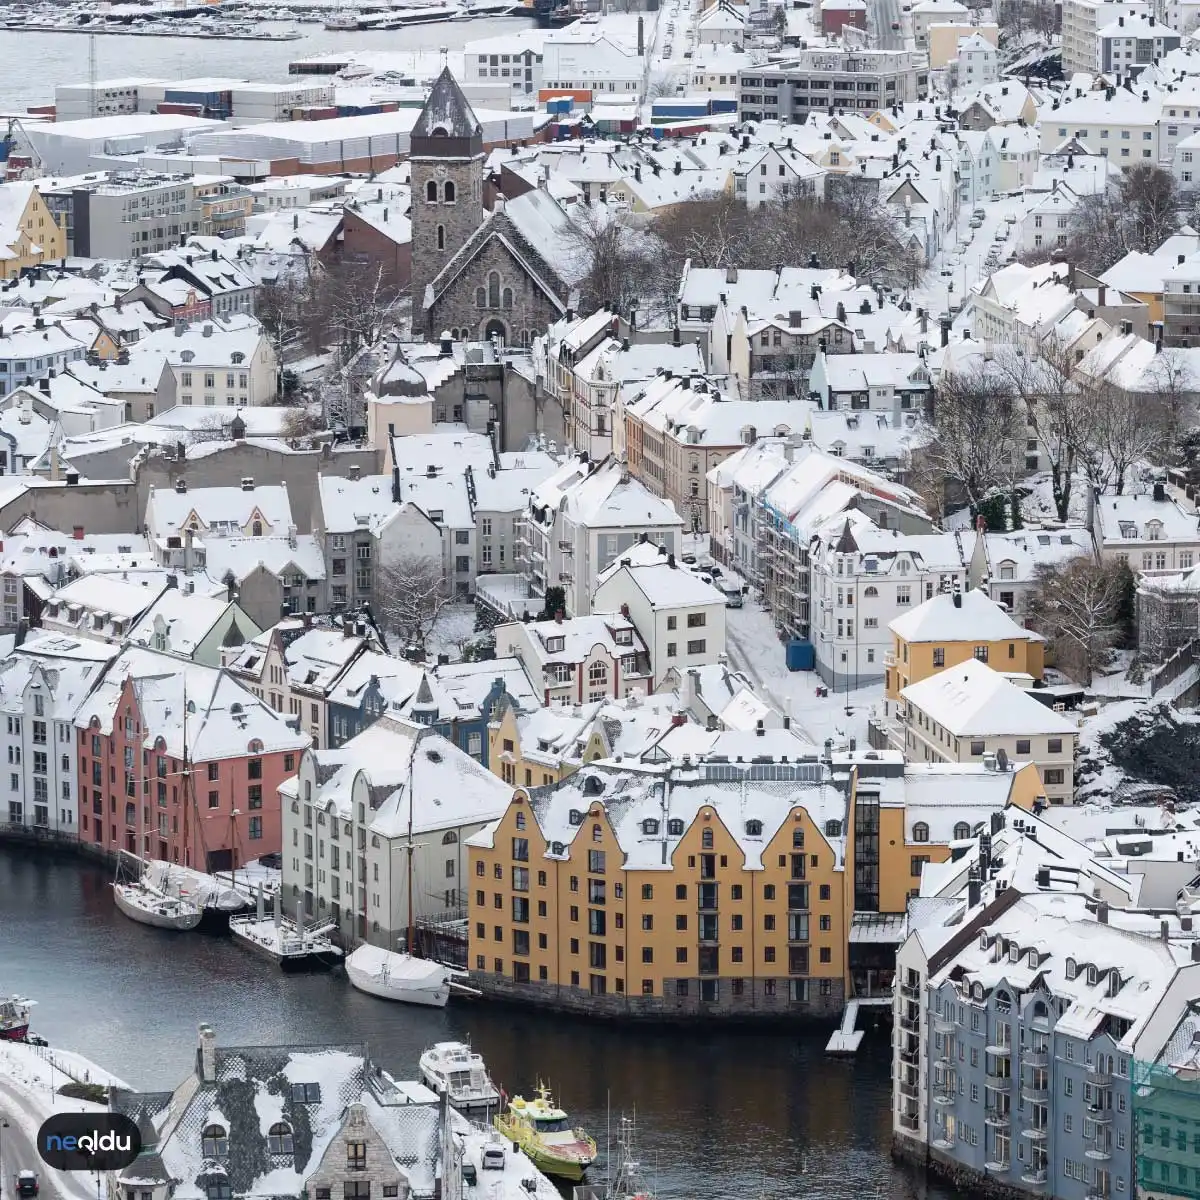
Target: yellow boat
543, 1131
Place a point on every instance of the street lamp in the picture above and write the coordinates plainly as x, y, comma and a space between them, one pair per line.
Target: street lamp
3, 1127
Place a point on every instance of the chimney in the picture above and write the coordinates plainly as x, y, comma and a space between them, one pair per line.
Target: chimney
354, 472
760, 728
247, 483
731, 274
206, 1055
1164, 930
945, 333
670, 560
957, 599
558, 617
446, 348
641, 38
1102, 913
1196, 951
973, 888
214, 255
1101, 295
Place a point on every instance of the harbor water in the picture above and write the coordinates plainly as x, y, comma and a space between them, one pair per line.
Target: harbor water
63, 57
721, 1113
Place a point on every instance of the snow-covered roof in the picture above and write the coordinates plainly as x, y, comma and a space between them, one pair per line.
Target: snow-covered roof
186, 620
218, 511
1142, 518
962, 617
972, 700
667, 585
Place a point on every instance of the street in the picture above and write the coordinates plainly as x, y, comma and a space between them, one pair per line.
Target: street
883, 15
17, 1153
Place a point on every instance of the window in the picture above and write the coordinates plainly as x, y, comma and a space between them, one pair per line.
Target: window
306, 1093
920, 832
1022, 745
214, 1142
939, 656
279, 1139
981, 654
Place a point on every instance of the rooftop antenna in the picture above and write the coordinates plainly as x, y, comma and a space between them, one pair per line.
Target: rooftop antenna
445, 52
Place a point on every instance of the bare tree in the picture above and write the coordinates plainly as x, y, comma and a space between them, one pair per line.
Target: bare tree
410, 594
1077, 606
361, 304
1127, 428
1139, 215
1173, 388
621, 265
302, 423
977, 442
1058, 407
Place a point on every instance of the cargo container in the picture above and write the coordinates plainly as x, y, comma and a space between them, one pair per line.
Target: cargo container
579, 95
723, 104
800, 655
185, 110
560, 105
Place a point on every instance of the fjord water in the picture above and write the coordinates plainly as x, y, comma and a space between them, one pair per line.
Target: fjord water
719, 1113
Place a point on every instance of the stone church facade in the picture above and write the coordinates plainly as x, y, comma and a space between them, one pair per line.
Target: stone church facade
475, 274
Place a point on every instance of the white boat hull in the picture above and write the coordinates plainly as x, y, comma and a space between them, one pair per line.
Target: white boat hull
386, 975
466, 1103
139, 905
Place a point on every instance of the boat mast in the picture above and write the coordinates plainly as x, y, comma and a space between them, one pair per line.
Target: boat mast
411, 924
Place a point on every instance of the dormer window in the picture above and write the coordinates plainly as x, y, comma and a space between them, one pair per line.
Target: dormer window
306, 1093
1093, 976
753, 829
1014, 952
1114, 983
557, 848
575, 817
623, 637
279, 1139
649, 827
187, 355
1033, 959
214, 1141
237, 358
833, 829
675, 827
983, 941
555, 645
1072, 968
1154, 530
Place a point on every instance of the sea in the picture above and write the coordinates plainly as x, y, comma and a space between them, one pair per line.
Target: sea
50, 59
719, 1112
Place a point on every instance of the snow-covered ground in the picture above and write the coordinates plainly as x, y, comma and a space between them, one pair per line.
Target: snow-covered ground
755, 650
30, 1079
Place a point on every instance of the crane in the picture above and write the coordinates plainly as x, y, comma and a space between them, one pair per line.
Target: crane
8, 145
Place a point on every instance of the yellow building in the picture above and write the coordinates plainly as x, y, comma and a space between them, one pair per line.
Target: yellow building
949, 629
29, 234
659, 887
542, 747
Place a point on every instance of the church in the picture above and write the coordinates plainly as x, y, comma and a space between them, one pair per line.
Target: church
506, 273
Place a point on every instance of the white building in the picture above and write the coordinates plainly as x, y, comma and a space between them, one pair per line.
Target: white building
1082, 21
680, 617
577, 660
351, 815
1129, 45
968, 713
1158, 533
862, 578
1004, 565
216, 362
977, 61
580, 520
42, 684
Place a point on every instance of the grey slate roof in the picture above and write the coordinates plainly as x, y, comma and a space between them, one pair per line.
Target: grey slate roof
447, 109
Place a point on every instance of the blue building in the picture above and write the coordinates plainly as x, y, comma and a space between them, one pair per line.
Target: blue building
458, 700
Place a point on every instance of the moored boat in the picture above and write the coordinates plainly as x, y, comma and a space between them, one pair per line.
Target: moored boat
454, 1068
544, 1132
14, 1018
394, 975
148, 906
292, 946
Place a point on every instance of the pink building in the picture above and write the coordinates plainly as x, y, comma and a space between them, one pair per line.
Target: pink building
134, 790
836, 14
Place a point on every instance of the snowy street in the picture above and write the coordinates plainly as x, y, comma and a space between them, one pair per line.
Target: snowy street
755, 650
29, 1083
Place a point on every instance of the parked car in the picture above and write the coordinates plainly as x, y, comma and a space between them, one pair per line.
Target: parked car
493, 1158
27, 1183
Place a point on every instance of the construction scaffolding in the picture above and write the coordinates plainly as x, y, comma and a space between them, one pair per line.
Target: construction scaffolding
1166, 1116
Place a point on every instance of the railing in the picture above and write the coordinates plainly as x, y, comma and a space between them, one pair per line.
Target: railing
1098, 1077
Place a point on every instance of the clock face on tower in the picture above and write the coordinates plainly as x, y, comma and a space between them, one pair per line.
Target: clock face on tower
441, 170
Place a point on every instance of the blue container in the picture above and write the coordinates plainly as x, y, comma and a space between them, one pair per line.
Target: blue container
800, 655
726, 105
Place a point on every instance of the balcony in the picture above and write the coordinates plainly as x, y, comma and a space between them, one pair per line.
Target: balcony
942, 1024
1035, 1177
1098, 1115
999, 1051
1035, 1133
1098, 1078
910, 1089
910, 1122
997, 1166
1036, 1058
999, 1083
998, 1118
910, 991
1035, 1093
1100, 1150
942, 1143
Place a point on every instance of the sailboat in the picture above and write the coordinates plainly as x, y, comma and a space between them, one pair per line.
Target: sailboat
398, 974
627, 1181
148, 905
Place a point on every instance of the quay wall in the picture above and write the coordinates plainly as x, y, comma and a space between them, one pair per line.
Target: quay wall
754, 1006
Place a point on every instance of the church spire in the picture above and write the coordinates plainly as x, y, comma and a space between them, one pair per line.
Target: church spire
447, 126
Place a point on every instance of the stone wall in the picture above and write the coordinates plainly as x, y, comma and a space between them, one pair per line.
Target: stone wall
976, 1183
457, 306
754, 1006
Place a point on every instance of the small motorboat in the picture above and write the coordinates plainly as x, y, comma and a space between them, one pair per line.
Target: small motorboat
544, 1132
394, 975
454, 1068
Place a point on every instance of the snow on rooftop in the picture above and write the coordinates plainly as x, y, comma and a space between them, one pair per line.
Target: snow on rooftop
974, 618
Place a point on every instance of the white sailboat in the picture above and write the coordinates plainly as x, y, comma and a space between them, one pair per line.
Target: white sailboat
141, 903
394, 975
397, 974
